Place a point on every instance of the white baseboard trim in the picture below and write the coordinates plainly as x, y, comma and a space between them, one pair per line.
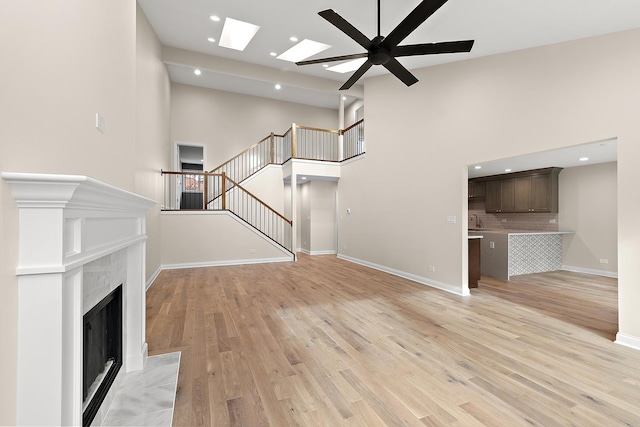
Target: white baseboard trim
612, 274
152, 279
628, 341
308, 252
224, 263
329, 252
415, 278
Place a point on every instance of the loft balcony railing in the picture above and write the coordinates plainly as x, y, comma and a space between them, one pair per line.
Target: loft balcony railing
298, 142
218, 192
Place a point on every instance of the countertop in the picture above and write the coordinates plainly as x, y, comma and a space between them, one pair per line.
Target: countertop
518, 232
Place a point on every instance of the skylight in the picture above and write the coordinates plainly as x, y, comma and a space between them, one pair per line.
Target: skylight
237, 34
303, 50
346, 67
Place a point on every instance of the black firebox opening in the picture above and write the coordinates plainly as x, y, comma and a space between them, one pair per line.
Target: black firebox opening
102, 357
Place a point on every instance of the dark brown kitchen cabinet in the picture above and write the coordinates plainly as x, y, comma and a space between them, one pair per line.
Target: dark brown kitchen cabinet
537, 193
474, 262
476, 189
528, 191
499, 196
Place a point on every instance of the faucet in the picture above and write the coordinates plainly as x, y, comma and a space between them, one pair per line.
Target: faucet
477, 220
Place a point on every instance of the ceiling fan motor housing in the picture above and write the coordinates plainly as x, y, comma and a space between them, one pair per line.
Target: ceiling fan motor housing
378, 55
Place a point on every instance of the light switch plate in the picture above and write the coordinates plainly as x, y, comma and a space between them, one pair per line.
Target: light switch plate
100, 122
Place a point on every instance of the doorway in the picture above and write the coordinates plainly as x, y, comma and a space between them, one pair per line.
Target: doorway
189, 158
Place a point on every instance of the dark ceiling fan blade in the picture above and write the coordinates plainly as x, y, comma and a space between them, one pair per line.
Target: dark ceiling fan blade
359, 72
411, 22
339, 22
433, 48
333, 59
400, 72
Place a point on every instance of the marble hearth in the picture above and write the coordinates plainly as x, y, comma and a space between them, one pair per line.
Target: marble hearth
78, 239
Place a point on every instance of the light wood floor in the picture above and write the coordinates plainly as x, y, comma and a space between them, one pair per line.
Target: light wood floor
327, 342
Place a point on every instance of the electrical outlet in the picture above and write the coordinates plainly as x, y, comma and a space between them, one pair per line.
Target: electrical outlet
451, 219
503, 220
604, 261
492, 245
432, 268
553, 221
252, 251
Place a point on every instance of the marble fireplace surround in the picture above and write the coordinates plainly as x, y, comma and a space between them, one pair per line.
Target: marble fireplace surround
77, 236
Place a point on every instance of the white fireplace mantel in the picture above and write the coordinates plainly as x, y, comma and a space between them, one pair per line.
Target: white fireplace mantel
66, 222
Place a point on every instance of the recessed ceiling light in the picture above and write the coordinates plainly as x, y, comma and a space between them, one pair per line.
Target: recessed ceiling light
278, 87
304, 177
211, 39
583, 159
237, 34
197, 72
293, 38
346, 67
507, 170
273, 54
303, 50
202, 160
214, 18
477, 167
344, 98
325, 65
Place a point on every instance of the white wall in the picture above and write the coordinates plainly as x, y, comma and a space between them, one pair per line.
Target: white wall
316, 219
153, 141
304, 218
323, 214
588, 206
194, 239
479, 110
268, 186
229, 123
350, 112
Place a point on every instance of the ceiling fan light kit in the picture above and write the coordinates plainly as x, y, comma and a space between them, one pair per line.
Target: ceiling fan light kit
384, 50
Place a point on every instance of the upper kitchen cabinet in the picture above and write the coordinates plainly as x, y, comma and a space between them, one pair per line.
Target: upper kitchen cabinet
499, 196
476, 189
527, 191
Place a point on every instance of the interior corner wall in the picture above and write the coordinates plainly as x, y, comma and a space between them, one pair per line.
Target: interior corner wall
153, 139
229, 123
588, 206
70, 60
350, 112
478, 110
323, 214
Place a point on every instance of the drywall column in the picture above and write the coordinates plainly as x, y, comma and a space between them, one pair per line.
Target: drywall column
341, 126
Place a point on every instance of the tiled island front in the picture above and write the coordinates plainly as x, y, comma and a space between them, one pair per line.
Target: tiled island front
507, 253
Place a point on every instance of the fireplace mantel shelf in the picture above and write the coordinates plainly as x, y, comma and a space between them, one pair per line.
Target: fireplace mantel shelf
31, 190
64, 220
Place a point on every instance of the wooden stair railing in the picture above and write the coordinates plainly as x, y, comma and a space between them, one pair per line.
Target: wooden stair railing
232, 197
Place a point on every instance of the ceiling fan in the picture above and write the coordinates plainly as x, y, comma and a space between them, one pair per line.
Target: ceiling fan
384, 50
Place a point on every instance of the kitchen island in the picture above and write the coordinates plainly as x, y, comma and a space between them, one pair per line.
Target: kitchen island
507, 253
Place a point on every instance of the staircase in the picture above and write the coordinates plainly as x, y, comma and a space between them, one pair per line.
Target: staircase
221, 189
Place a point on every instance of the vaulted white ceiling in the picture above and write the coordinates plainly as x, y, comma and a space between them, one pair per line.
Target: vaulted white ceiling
496, 25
